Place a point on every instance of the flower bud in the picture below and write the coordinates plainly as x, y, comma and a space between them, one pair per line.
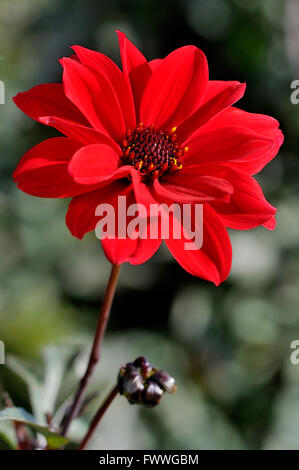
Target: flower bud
142, 383
129, 380
132, 383
166, 382
152, 394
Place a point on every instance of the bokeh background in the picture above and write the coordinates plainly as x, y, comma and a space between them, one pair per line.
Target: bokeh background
228, 347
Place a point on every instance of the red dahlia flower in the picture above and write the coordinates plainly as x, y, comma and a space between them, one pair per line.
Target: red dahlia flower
155, 132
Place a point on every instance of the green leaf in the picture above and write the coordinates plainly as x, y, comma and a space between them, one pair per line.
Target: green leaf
44, 383
23, 370
7, 436
54, 440
55, 360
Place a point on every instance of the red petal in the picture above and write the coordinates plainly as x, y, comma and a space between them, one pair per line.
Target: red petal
100, 63
135, 68
93, 164
237, 117
81, 218
270, 224
247, 207
240, 147
213, 261
176, 88
82, 134
263, 125
188, 187
144, 251
132, 251
43, 170
219, 96
118, 250
94, 96
154, 64
143, 192
49, 152
48, 100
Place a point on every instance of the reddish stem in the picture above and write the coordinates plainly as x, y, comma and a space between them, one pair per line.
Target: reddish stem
96, 348
97, 418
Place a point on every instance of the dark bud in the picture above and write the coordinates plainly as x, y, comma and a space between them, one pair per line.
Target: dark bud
166, 382
142, 383
130, 381
141, 362
145, 367
152, 394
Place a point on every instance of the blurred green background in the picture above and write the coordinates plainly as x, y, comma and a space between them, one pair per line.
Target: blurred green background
228, 347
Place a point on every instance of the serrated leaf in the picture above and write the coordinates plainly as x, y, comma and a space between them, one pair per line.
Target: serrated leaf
54, 440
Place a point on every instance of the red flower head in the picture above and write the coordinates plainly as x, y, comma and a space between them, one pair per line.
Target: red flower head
155, 132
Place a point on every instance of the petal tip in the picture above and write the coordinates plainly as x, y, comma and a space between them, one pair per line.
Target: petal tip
47, 120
